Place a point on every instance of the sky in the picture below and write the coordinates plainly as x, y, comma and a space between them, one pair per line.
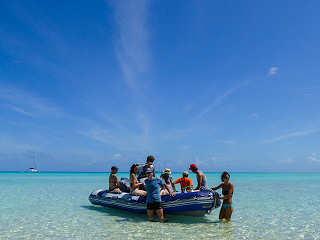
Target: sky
228, 85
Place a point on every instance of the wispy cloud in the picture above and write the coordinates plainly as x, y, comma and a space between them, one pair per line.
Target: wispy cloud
176, 134
293, 134
254, 116
25, 103
131, 43
229, 142
273, 71
9, 145
217, 101
123, 141
18, 110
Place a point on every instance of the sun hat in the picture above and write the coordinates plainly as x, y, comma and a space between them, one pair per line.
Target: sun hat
193, 167
167, 170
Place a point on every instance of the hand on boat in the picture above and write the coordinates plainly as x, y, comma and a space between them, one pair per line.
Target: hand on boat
172, 194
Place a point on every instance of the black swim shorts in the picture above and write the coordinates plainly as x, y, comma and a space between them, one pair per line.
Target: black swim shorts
154, 206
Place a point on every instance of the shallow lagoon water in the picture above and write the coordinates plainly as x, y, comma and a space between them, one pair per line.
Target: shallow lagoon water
55, 206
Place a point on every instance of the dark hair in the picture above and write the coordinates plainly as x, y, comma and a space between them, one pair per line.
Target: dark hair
114, 168
150, 158
132, 168
224, 174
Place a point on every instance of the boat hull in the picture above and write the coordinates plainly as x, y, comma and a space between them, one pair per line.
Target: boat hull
189, 204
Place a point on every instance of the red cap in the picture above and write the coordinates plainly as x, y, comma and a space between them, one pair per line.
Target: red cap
193, 166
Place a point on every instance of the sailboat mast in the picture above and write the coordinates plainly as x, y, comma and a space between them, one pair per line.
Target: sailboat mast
35, 160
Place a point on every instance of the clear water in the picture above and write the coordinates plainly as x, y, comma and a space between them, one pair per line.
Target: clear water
55, 206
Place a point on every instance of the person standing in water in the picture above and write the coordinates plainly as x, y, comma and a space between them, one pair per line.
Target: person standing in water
227, 191
201, 178
153, 185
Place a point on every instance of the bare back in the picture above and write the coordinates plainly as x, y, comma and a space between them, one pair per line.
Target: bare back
113, 182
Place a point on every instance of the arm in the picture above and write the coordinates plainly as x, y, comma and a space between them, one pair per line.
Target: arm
217, 187
164, 183
133, 182
177, 181
172, 184
169, 190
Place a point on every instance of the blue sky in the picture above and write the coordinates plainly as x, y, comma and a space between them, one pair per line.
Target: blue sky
229, 85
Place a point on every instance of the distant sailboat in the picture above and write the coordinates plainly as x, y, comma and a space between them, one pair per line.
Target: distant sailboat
33, 170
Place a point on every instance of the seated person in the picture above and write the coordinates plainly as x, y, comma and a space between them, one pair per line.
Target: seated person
167, 180
113, 180
134, 184
185, 182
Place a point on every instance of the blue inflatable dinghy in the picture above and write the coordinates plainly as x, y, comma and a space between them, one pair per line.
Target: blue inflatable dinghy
196, 203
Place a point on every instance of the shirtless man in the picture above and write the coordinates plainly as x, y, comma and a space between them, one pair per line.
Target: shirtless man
113, 181
201, 178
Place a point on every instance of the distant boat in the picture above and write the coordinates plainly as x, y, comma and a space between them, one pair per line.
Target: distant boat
33, 170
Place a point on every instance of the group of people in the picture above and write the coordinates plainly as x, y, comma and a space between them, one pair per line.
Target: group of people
144, 183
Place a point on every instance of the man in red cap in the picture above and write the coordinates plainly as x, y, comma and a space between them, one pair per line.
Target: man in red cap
201, 178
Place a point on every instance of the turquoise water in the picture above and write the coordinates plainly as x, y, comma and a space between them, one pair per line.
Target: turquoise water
55, 206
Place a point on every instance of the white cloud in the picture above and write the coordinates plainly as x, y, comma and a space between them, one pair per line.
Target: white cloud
116, 155
293, 134
273, 71
314, 157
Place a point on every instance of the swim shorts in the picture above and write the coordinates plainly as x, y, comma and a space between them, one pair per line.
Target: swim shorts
154, 206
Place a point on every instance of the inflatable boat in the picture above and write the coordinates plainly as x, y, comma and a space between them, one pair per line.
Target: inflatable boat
196, 203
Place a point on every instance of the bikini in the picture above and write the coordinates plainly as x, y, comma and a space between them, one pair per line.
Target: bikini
225, 205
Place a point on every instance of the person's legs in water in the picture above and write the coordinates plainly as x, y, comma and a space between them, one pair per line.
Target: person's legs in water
228, 213
150, 214
160, 215
222, 213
